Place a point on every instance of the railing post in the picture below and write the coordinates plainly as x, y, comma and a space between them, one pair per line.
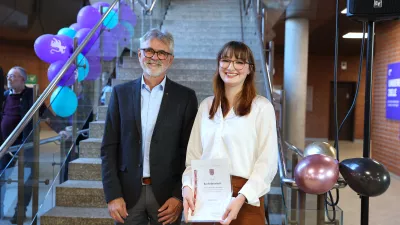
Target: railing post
320, 209
75, 115
35, 162
63, 157
21, 186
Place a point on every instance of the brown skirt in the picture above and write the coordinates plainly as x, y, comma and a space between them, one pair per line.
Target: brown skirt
248, 214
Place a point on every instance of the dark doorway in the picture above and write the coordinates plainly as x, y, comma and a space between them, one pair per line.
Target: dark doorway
345, 96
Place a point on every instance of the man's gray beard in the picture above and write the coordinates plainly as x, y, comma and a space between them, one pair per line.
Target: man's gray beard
151, 73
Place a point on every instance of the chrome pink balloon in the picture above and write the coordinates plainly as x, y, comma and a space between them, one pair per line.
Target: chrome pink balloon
316, 174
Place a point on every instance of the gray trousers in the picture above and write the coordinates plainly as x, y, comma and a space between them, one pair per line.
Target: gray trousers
146, 210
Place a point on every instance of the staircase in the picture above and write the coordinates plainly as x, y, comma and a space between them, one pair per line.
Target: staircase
200, 28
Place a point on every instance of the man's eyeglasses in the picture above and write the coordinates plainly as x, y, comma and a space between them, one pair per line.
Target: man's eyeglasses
237, 64
13, 76
149, 52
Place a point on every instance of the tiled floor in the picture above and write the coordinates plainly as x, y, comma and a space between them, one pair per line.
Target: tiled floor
383, 210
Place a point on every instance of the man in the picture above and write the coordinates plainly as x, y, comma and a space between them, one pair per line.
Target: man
18, 99
147, 129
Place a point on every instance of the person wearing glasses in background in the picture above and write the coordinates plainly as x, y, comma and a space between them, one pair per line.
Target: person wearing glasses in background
238, 125
17, 101
147, 129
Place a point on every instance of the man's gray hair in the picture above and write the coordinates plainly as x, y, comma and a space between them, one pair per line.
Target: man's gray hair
163, 36
22, 71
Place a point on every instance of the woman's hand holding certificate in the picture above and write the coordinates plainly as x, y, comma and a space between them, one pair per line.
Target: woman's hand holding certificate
212, 192
233, 209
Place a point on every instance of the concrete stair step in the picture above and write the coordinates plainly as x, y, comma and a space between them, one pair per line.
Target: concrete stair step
207, 5
203, 18
80, 193
96, 129
206, 39
195, 35
76, 216
176, 9
85, 169
203, 24
108, 96
224, 4
102, 113
204, 1
90, 148
210, 49
198, 31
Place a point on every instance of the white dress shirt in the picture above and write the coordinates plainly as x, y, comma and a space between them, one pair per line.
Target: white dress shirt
150, 106
248, 142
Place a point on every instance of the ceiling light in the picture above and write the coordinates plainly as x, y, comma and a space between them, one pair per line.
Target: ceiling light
355, 35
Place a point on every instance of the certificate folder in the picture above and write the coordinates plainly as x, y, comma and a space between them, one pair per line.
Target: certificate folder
211, 182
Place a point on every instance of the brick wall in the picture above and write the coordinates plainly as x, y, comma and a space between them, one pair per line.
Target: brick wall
320, 70
385, 133
25, 57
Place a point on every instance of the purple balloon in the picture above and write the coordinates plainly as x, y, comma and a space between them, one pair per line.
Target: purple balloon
110, 45
97, 5
95, 68
52, 48
316, 174
82, 34
88, 16
75, 26
69, 42
122, 35
68, 78
127, 14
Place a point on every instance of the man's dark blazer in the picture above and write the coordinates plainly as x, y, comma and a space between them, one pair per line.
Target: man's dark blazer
121, 150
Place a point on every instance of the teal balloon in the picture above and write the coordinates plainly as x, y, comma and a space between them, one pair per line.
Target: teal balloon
129, 27
83, 67
67, 32
111, 20
63, 101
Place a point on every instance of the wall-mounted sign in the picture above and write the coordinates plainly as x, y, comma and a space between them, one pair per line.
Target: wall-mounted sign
393, 92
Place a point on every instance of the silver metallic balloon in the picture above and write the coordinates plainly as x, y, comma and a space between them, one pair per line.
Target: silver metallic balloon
322, 148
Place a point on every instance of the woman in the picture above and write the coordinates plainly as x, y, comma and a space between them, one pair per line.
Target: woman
239, 125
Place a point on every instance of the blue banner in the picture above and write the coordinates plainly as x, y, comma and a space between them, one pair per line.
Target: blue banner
393, 92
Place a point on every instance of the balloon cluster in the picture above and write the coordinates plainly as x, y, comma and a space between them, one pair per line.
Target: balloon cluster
318, 172
116, 30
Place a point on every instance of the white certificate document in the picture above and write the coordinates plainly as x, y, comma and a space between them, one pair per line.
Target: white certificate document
212, 189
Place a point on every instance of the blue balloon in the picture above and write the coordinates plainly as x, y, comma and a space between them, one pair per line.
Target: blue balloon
111, 20
129, 27
67, 32
83, 67
63, 101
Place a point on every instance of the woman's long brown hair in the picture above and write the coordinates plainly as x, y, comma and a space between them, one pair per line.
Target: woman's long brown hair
244, 98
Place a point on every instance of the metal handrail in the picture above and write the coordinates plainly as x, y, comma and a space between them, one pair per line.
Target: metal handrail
289, 182
42, 142
53, 84
147, 8
265, 72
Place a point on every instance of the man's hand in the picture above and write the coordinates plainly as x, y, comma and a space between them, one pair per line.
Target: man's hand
233, 209
117, 210
170, 211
